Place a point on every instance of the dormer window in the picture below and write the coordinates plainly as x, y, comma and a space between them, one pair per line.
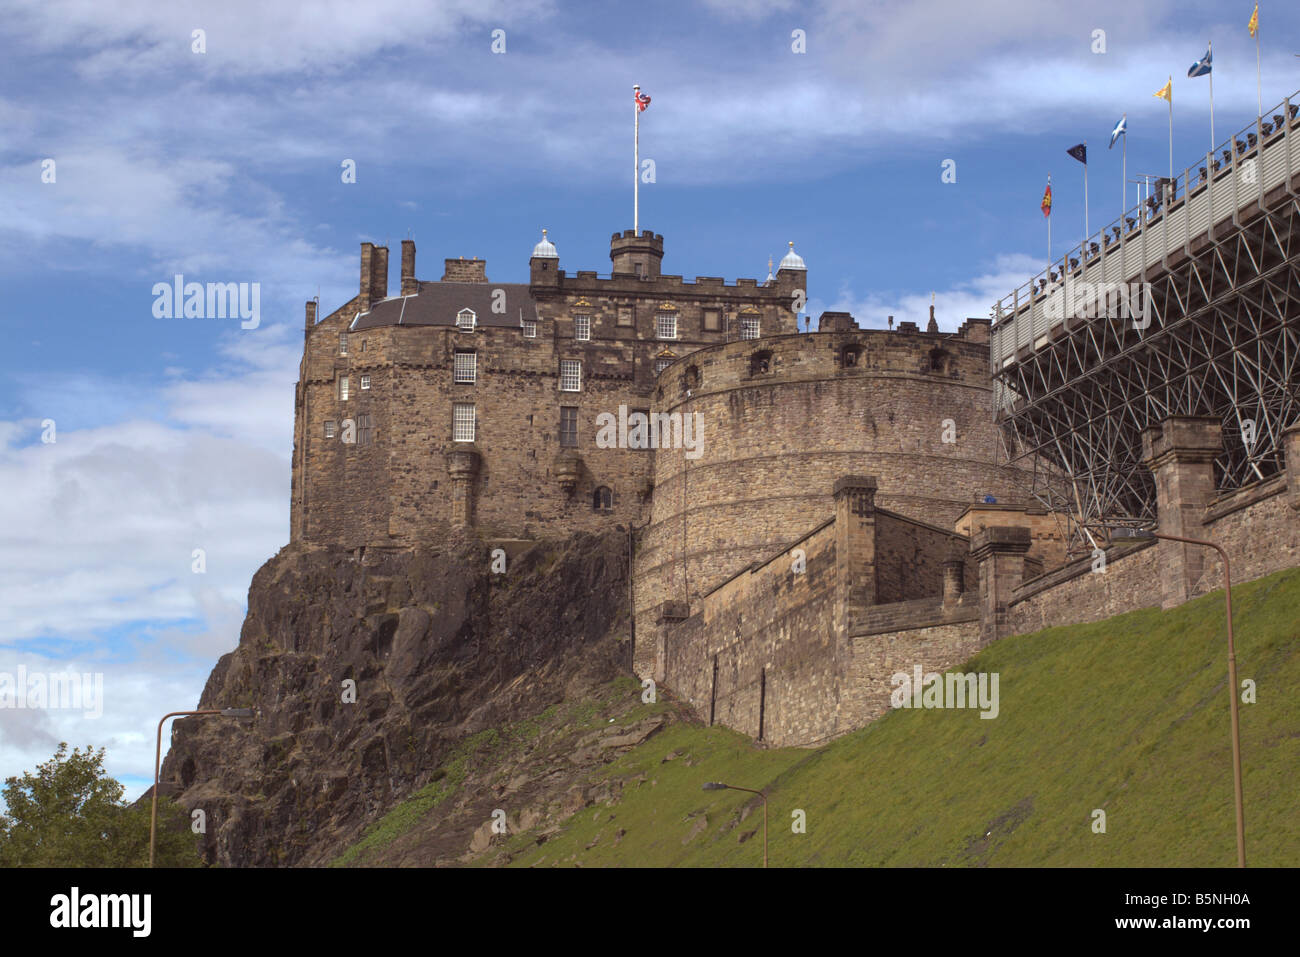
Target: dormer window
466, 320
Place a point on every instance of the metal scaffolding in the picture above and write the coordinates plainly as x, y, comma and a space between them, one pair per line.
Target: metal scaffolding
1218, 335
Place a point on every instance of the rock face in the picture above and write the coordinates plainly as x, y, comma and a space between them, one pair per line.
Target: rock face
438, 647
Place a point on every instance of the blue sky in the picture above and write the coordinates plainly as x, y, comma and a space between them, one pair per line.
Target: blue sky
175, 434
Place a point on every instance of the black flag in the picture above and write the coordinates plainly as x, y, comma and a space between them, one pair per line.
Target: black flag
1080, 153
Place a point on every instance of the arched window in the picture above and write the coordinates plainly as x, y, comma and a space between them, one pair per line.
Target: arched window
602, 499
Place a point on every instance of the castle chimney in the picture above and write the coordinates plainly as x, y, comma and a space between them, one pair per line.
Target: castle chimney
409, 284
464, 270
932, 326
379, 274
311, 316
367, 276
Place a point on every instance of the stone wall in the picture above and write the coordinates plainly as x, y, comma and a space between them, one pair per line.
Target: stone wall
1075, 593
910, 557
875, 658
762, 649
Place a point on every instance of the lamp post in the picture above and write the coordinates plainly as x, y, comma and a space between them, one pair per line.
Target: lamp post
1125, 531
157, 763
719, 786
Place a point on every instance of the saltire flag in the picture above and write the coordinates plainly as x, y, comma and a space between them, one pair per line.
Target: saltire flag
1047, 199
1121, 129
1201, 67
642, 101
1166, 92
1253, 26
1080, 153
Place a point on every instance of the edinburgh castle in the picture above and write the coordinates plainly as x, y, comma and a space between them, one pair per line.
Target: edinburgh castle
809, 512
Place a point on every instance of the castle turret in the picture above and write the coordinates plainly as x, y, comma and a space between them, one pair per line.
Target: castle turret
544, 266
635, 255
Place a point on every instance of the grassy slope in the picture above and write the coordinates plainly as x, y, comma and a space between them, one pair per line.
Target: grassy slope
1130, 715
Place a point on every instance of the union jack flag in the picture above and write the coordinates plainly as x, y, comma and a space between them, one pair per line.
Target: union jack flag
642, 101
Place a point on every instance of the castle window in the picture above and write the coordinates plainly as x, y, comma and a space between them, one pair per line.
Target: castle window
749, 327
365, 382
343, 343
712, 320
662, 364
568, 426
666, 325
849, 356
692, 378
602, 499
530, 329
939, 361
365, 431
465, 369
363, 345
760, 363
465, 320
462, 422
582, 327
570, 375
331, 428
343, 388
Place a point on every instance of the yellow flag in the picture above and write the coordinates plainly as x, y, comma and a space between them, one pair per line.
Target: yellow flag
1253, 26
1166, 92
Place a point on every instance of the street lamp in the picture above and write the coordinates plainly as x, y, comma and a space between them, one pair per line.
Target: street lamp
719, 786
157, 762
1126, 531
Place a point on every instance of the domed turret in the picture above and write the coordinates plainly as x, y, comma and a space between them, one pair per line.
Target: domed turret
792, 260
545, 249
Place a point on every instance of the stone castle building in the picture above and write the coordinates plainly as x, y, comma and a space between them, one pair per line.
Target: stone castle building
811, 512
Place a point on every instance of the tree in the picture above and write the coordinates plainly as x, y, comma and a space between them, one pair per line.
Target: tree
70, 813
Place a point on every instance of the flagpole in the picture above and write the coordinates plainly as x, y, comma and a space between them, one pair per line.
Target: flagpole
1049, 231
1259, 90
1086, 235
1171, 135
636, 161
1213, 141
1123, 206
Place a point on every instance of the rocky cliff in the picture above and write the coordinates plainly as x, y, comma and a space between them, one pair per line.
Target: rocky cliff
438, 648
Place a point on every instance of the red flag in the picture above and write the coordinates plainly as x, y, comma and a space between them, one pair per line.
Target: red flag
642, 101
1047, 200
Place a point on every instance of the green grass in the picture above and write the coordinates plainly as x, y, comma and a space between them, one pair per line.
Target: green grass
1129, 716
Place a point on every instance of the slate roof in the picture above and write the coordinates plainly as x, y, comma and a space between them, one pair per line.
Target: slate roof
437, 303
